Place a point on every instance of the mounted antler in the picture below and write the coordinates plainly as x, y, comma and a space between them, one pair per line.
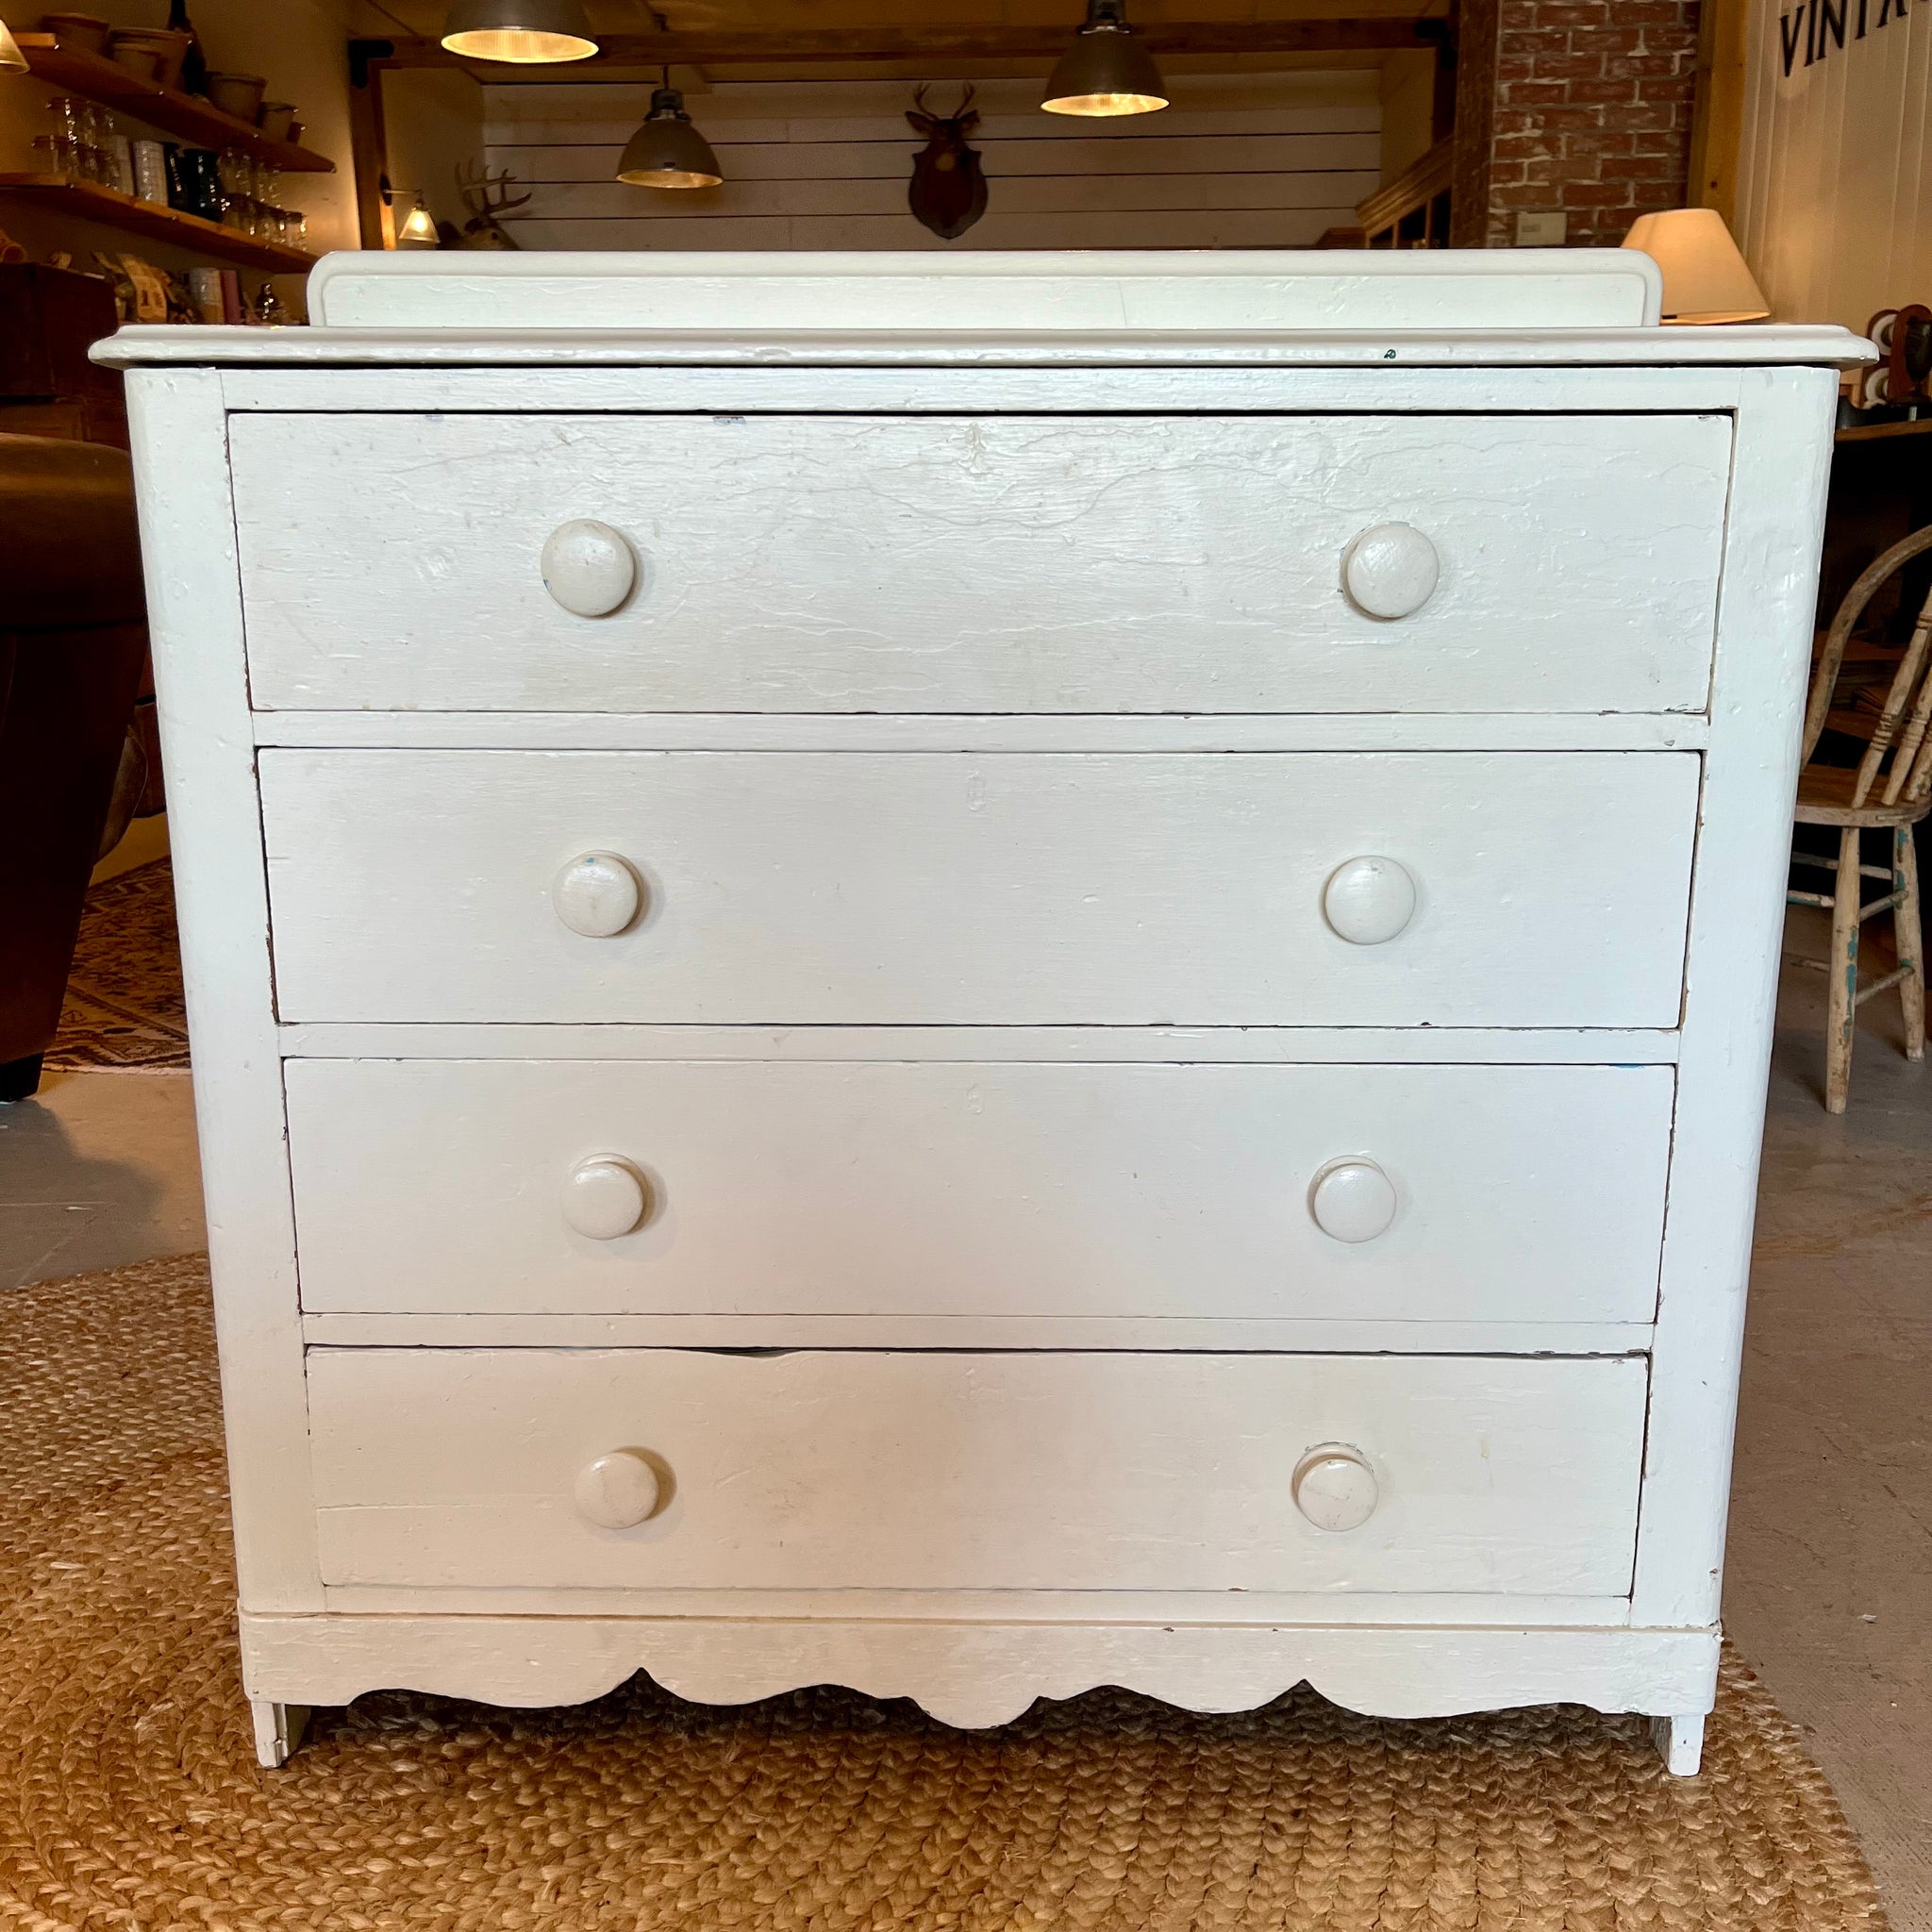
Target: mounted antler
957, 114
478, 187
487, 196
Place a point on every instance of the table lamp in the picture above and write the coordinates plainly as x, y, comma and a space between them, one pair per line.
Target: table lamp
1706, 278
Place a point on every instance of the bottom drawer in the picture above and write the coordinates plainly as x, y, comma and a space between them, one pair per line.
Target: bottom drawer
826, 1470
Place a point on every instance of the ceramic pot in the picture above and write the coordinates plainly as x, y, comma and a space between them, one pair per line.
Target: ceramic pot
142, 61
238, 94
85, 32
276, 119
169, 48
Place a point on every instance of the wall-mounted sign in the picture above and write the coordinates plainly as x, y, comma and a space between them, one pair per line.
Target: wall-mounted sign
1817, 28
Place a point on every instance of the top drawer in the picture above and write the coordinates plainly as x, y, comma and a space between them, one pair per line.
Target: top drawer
999, 563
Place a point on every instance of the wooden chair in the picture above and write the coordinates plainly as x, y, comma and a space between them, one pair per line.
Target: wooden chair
1889, 790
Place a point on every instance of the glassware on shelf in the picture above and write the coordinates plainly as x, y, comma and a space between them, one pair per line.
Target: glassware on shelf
117, 167
194, 183
87, 151
65, 143
232, 172
151, 172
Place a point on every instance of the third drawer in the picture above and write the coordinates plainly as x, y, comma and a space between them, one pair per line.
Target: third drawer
995, 1191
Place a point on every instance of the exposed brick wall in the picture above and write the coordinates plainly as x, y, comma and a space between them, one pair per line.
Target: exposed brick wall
1589, 113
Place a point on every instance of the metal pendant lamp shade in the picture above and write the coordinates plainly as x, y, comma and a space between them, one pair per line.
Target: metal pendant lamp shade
667, 151
1105, 70
527, 33
12, 59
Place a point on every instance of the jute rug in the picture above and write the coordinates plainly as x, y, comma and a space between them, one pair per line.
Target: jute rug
123, 1006
129, 1797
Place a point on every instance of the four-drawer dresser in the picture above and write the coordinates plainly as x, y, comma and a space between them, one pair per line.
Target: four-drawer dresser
973, 977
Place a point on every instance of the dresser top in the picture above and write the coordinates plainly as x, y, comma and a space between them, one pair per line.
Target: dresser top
1249, 307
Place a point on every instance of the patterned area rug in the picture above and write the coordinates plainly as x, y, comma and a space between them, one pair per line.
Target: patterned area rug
123, 1006
130, 1796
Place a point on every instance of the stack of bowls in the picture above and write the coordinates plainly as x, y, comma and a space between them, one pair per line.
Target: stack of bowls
85, 33
238, 94
155, 52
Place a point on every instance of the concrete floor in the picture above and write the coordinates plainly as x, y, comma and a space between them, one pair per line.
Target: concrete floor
1829, 1588
1828, 1580
96, 1170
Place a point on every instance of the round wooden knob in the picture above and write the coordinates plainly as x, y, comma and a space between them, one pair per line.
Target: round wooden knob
1368, 900
619, 1490
1351, 1201
588, 567
1390, 571
1335, 1487
597, 894
605, 1197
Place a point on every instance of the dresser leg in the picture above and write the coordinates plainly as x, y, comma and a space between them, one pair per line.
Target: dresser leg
279, 1729
1679, 1743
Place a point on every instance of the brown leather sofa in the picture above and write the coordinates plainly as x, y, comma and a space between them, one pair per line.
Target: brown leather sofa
73, 635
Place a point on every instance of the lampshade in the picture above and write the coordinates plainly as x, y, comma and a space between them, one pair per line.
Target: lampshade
1706, 278
526, 33
10, 56
419, 230
667, 151
1105, 70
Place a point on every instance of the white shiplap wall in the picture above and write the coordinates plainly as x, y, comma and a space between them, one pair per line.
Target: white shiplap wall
1264, 161
1834, 207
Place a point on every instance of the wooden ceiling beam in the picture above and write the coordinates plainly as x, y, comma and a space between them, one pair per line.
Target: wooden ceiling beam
991, 44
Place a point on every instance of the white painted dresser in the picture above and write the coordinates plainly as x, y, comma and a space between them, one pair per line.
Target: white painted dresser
979, 977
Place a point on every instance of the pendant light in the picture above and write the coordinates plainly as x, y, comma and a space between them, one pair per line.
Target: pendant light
667, 151
12, 59
525, 33
1105, 70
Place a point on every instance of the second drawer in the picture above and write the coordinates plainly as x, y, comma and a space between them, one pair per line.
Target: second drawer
1401, 1193
1414, 888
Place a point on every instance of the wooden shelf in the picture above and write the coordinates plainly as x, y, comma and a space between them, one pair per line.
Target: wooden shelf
90, 201
1884, 432
172, 112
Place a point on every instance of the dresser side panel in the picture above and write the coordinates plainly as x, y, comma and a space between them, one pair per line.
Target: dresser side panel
215, 828
1766, 613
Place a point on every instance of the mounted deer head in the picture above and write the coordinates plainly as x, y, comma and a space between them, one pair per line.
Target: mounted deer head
948, 191
487, 196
